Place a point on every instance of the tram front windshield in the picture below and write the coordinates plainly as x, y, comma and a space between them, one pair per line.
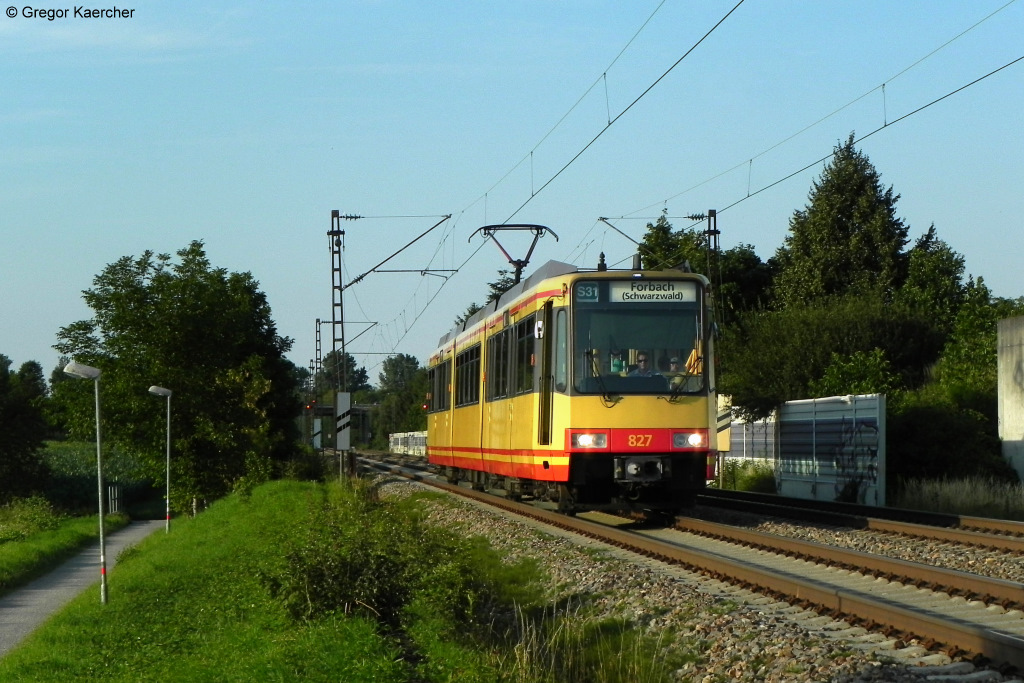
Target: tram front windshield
637, 337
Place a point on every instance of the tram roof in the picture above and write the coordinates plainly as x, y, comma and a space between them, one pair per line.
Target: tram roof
549, 269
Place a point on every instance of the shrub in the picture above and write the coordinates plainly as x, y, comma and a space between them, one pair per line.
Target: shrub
356, 553
757, 476
305, 465
931, 434
24, 517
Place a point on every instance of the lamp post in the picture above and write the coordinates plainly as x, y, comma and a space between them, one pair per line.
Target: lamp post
160, 391
85, 372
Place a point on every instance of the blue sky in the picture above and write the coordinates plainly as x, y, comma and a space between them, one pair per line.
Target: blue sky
244, 124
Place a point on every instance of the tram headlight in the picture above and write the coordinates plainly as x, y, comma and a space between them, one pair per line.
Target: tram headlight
694, 439
587, 440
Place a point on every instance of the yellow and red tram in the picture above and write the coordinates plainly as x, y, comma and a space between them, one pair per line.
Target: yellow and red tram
591, 389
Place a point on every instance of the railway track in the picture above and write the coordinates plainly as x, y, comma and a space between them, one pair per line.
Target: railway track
983, 532
945, 609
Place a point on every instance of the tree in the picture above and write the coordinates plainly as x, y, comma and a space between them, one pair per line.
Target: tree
663, 247
862, 372
504, 283
969, 359
778, 356
356, 377
398, 372
403, 384
738, 277
471, 310
207, 335
934, 282
22, 429
743, 281
951, 425
847, 238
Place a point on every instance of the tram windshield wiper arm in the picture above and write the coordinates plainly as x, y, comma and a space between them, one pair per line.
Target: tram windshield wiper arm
595, 372
677, 386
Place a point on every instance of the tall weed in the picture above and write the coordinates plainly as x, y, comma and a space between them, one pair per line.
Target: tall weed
549, 647
978, 497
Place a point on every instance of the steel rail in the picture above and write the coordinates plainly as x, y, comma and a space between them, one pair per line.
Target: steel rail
978, 531
987, 589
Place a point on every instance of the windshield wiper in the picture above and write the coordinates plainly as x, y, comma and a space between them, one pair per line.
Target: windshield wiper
595, 372
683, 377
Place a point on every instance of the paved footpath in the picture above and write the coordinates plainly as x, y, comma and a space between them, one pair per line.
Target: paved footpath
24, 609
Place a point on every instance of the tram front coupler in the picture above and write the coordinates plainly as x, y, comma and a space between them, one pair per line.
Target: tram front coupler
642, 468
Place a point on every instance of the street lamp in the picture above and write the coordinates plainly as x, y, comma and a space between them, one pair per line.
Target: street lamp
160, 391
85, 372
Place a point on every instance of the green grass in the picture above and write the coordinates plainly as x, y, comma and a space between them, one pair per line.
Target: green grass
572, 646
189, 606
302, 581
35, 539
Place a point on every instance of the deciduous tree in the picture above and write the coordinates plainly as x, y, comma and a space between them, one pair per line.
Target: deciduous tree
740, 280
777, 356
207, 335
403, 384
22, 429
664, 247
934, 280
356, 377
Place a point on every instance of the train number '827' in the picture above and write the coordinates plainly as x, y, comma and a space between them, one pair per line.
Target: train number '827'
639, 440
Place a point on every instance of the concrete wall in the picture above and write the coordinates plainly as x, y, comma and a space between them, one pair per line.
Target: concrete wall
1011, 391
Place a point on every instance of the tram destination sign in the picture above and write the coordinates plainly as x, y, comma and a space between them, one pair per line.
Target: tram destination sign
651, 291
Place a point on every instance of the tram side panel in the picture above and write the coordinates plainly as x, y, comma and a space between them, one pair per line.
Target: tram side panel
440, 446
467, 418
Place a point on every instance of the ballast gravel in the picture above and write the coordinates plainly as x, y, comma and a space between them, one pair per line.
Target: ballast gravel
990, 562
727, 633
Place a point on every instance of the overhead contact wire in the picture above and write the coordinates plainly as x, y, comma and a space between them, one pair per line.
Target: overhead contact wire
806, 128
880, 128
623, 112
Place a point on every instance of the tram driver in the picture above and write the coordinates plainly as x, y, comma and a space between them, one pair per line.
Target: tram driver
643, 366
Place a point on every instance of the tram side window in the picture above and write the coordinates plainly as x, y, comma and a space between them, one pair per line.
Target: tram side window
431, 372
524, 355
499, 362
439, 381
467, 377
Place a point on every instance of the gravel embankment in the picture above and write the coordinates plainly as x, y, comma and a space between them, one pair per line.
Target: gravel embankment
732, 634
